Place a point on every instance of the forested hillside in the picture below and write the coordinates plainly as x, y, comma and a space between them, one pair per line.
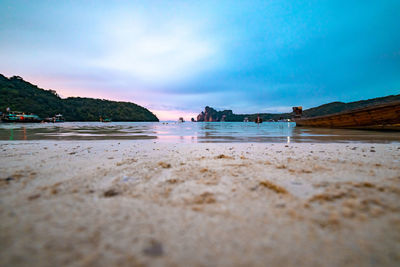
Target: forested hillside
21, 95
335, 107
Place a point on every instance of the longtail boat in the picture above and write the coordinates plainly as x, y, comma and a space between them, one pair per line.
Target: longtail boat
377, 117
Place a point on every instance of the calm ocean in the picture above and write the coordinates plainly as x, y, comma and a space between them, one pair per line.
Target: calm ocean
189, 132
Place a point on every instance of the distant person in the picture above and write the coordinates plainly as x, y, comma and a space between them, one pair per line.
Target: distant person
258, 119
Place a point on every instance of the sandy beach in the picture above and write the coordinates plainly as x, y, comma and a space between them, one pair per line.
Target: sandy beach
144, 203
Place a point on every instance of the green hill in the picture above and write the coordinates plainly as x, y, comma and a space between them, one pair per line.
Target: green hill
335, 107
23, 96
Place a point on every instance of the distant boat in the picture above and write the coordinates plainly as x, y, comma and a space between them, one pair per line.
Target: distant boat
56, 119
246, 119
181, 119
376, 117
105, 119
18, 116
59, 118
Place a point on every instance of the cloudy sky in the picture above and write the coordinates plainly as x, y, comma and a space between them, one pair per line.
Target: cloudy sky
175, 57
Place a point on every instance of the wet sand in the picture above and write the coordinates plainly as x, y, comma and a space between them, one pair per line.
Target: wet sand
142, 203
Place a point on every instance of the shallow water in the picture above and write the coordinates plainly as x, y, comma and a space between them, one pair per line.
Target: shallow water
188, 132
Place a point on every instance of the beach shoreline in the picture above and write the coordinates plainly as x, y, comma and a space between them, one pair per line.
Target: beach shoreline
139, 203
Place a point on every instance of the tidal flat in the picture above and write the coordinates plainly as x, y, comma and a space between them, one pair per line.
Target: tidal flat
146, 203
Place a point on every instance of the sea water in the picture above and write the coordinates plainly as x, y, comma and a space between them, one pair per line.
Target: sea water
190, 132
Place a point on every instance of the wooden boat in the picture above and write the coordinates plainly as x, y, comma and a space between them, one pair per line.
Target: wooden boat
377, 117
21, 117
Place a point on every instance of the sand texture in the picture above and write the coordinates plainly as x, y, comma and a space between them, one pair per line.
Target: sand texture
141, 203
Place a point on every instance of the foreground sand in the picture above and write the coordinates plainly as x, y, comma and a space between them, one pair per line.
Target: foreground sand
129, 203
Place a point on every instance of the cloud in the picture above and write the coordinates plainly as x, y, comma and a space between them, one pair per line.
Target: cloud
176, 57
156, 52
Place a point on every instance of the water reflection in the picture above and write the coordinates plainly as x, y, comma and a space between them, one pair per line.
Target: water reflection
280, 132
17, 134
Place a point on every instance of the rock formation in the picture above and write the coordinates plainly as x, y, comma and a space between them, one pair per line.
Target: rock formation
210, 114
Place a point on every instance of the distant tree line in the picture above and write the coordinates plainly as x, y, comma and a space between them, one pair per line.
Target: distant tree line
20, 95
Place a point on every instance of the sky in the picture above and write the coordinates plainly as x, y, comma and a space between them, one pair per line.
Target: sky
176, 57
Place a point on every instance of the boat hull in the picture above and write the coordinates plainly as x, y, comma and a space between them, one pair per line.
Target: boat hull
20, 121
379, 117
21, 118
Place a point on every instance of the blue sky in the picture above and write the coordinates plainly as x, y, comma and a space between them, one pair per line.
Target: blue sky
175, 57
